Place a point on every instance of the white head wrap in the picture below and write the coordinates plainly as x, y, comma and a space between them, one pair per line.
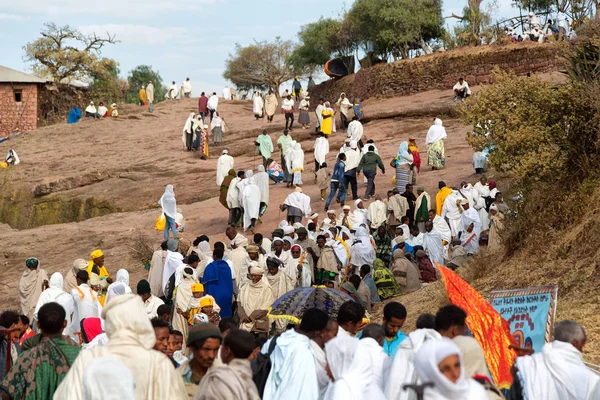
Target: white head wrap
106, 378
427, 360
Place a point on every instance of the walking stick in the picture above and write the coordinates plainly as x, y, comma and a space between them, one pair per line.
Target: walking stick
418, 389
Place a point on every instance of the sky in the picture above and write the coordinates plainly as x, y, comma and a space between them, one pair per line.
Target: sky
179, 38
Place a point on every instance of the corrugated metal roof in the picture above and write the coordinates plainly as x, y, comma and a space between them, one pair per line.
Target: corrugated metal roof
11, 75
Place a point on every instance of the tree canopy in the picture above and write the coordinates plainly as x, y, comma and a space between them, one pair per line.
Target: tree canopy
393, 27
106, 84
261, 65
66, 53
140, 76
322, 40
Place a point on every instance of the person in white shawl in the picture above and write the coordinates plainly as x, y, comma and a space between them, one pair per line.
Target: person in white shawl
173, 260
224, 164
302, 265
187, 88
258, 106
403, 366
377, 212
255, 298
436, 355
355, 130
233, 200
297, 164
360, 213
157, 265
372, 340
55, 293
182, 301
346, 110
453, 213
169, 209
217, 127
12, 158
461, 89
319, 113
107, 378
120, 286
150, 92
250, 201
353, 380
262, 181
470, 237
131, 341
432, 244
362, 251
31, 286
558, 371
226, 93
321, 150
435, 144
299, 200
172, 92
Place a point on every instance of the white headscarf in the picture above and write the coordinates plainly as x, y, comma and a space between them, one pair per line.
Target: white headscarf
123, 276
168, 203
189, 123
107, 378
117, 288
427, 360
472, 355
126, 317
436, 132
340, 353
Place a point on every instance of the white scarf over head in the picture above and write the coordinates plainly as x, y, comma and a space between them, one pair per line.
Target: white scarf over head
167, 202
436, 132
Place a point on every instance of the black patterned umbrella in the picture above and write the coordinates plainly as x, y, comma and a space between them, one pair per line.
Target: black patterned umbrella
293, 304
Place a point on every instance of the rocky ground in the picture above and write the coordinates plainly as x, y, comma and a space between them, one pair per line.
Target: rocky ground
126, 164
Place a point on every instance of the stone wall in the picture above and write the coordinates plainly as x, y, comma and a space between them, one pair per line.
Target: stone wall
18, 115
440, 71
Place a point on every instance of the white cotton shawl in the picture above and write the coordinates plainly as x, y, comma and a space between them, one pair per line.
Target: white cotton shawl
254, 297
436, 132
173, 260
300, 201
557, 372
403, 369
321, 149
432, 244
56, 294
353, 157
168, 203
355, 131
440, 225
107, 378
377, 213
217, 121
131, 339
362, 251
288, 155
257, 106
297, 159
224, 164
233, 193
262, 181
469, 217
213, 103
251, 201
188, 127
427, 360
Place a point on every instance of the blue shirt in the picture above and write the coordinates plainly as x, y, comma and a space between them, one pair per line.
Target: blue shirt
391, 346
338, 172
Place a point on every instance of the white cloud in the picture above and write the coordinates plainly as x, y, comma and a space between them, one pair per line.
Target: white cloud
137, 34
113, 8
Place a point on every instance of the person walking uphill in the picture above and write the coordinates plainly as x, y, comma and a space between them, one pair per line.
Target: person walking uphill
402, 163
369, 163
169, 209
337, 181
264, 144
287, 107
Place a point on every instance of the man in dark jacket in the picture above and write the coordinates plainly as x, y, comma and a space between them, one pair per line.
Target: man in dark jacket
369, 163
337, 181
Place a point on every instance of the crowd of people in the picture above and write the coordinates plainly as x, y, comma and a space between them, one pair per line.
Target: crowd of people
201, 326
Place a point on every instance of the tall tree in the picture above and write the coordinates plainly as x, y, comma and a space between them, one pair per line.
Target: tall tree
106, 85
393, 27
140, 76
261, 65
321, 40
66, 53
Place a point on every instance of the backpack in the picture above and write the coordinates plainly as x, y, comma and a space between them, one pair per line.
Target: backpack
261, 367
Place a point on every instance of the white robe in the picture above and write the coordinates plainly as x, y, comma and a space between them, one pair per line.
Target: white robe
86, 305
353, 157
262, 181
377, 214
355, 131
258, 105
224, 164
131, 339
297, 159
226, 93
432, 244
55, 293
321, 149
293, 373
233, 193
187, 86
440, 225
402, 369
450, 210
415, 240
173, 261
250, 202
300, 201
557, 372
319, 112
213, 102
151, 305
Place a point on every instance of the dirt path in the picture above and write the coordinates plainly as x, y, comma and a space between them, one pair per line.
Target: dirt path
143, 153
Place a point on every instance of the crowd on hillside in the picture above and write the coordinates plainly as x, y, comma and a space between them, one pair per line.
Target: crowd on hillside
289, 315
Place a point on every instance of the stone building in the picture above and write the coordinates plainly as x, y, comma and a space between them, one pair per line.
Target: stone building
18, 101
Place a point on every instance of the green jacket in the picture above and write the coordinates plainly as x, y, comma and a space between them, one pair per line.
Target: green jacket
369, 162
